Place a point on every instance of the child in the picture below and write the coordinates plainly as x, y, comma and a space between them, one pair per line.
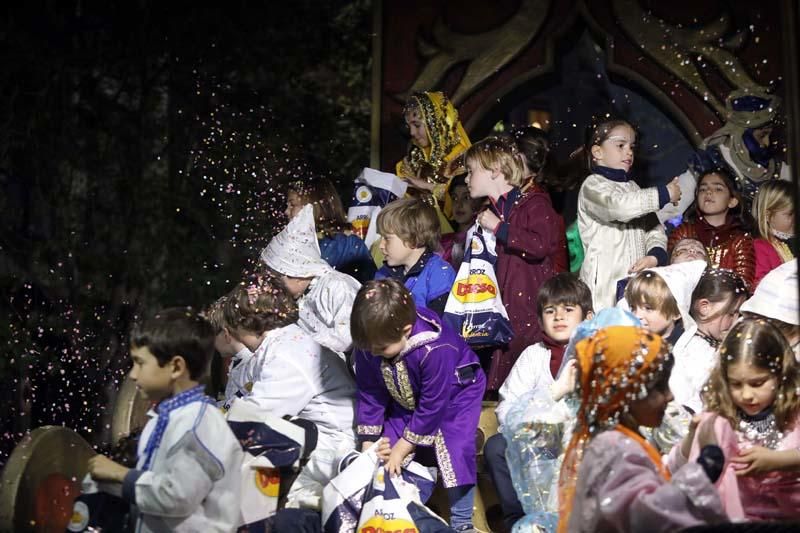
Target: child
718, 223
753, 408
465, 209
773, 210
291, 375
236, 356
687, 250
324, 296
611, 478
187, 477
611, 214
563, 302
409, 231
530, 240
339, 246
419, 386
661, 298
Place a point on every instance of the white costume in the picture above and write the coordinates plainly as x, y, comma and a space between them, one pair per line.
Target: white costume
290, 374
615, 232
238, 372
193, 481
326, 305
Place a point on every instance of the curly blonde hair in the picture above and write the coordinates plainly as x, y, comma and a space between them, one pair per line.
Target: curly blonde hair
498, 153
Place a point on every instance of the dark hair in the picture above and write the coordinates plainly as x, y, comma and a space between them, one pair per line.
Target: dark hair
381, 309
738, 211
177, 331
459, 180
329, 214
596, 134
260, 303
717, 285
533, 146
564, 289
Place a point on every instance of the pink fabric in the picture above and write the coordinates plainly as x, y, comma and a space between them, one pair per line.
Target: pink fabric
767, 259
619, 489
771, 496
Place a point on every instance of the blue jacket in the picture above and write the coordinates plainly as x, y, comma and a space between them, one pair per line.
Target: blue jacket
348, 254
429, 280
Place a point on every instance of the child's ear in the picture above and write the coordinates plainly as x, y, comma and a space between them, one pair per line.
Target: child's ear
226, 333
702, 306
178, 366
733, 202
589, 315
407, 330
596, 151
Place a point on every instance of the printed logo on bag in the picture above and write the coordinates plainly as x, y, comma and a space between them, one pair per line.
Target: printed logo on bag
476, 246
80, 517
474, 289
363, 194
379, 524
268, 481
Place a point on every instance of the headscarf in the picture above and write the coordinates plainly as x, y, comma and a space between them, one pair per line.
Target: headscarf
616, 366
448, 141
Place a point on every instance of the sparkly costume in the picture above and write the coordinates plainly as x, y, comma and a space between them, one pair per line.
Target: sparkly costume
611, 478
430, 394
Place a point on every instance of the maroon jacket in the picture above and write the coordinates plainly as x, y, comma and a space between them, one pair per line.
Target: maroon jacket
531, 248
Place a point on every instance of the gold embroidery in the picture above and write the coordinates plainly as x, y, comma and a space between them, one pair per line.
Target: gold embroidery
414, 438
443, 460
369, 430
405, 395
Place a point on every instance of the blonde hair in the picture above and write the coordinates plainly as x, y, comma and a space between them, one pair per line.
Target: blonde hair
761, 344
772, 196
650, 289
414, 221
500, 154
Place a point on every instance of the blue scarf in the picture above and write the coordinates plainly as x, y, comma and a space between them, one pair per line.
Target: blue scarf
614, 174
195, 394
759, 154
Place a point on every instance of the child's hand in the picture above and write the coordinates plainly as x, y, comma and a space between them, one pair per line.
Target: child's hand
566, 381
686, 443
674, 189
383, 448
758, 460
104, 469
398, 454
648, 261
488, 220
419, 183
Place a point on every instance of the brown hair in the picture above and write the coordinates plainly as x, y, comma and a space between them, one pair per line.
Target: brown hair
381, 309
650, 289
215, 315
718, 285
329, 214
498, 153
600, 133
534, 147
564, 289
260, 303
729, 180
762, 345
413, 220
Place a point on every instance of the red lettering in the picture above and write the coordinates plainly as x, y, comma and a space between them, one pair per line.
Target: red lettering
475, 288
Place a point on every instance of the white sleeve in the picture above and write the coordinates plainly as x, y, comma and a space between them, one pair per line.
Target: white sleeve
656, 237
522, 379
335, 305
601, 200
288, 378
688, 184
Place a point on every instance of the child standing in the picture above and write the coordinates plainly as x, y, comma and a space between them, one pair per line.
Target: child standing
612, 213
612, 479
187, 477
529, 235
409, 230
419, 386
718, 223
339, 246
563, 302
465, 209
324, 296
773, 210
754, 408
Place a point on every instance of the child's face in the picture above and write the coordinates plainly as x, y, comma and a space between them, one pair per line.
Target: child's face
416, 127
153, 380
617, 150
752, 389
396, 252
653, 320
762, 135
296, 286
392, 349
294, 203
718, 327
225, 344
479, 180
713, 195
559, 321
688, 250
782, 220
649, 412
463, 212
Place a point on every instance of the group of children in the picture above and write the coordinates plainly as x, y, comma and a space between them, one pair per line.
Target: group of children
322, 333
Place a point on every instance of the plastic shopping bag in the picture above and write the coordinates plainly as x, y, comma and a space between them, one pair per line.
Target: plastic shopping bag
372, 190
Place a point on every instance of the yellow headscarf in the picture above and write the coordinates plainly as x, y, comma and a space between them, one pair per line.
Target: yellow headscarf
617, 365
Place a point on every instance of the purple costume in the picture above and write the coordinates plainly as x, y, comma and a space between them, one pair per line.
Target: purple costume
430, 394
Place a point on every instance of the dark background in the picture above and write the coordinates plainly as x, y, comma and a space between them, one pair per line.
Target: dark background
144, 148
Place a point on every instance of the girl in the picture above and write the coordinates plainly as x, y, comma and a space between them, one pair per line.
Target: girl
339, 247
612, 479
529, 240
773, 210
434, 156
718, 223
753, 407
465, 209
611, 214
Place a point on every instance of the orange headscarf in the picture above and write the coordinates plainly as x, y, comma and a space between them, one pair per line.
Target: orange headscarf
617, 365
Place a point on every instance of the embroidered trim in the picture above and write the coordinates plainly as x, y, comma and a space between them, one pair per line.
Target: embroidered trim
369, 430
414, 438
443, 460
423, 337
405, 395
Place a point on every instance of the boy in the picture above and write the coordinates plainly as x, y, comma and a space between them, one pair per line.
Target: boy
410, 232
564, 301
187, 477
236, 356
419, 386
